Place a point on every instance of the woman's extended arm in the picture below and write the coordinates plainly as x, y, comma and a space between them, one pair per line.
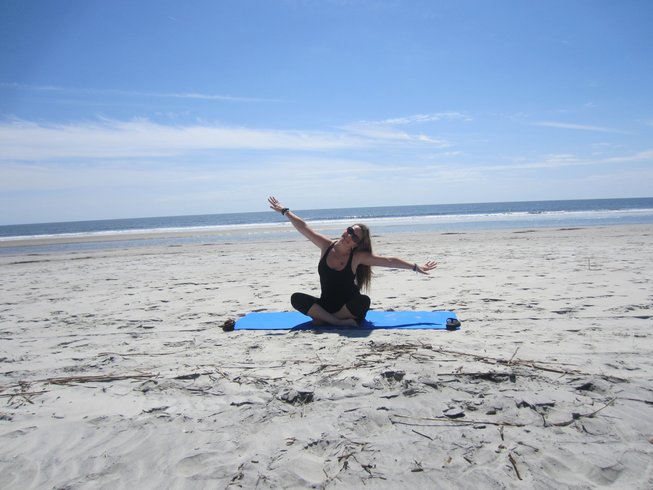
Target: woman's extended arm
300, 225
372, 260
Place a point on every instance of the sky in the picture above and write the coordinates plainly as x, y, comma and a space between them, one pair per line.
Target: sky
157, 108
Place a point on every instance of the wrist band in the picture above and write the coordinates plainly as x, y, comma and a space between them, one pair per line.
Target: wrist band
284, 211
414, 267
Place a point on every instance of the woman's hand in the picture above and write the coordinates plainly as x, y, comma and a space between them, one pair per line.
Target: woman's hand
275, 204
424, 269
300, 225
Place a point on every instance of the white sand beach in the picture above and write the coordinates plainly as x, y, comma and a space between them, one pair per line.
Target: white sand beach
115, 373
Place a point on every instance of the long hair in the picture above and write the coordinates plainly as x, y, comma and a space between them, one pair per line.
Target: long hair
364, 272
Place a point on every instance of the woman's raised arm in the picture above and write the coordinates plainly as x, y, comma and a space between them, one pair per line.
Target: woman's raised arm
300, 225
372, 260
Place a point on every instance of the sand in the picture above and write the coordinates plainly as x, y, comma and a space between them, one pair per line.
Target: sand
115, 373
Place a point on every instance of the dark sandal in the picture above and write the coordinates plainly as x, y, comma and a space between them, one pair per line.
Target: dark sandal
229, 325
452, 323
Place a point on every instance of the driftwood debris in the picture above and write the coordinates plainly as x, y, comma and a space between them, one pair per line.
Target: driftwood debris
102, 378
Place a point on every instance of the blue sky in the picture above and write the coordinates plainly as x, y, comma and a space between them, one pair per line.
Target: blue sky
153, 108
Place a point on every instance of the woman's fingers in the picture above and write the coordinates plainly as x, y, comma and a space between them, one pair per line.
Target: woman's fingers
428, 266
274, 204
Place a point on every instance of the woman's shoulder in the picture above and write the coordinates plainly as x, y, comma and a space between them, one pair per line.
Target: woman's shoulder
360, 257
328, 245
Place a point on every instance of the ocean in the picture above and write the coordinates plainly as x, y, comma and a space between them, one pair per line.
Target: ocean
210, 228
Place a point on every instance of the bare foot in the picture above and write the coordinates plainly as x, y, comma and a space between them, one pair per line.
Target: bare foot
350, 322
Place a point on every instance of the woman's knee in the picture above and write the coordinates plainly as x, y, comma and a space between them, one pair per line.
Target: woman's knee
302, 302
359, 306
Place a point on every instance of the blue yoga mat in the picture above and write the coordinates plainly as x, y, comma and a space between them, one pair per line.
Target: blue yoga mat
436, 320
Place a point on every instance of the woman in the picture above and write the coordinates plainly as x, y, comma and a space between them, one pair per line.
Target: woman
344, 268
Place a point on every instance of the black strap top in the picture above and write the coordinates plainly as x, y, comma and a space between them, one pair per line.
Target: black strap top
337, 286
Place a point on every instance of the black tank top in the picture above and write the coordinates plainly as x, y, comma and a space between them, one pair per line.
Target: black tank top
338, 287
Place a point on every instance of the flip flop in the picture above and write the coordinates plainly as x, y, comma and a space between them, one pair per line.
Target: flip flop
452, 323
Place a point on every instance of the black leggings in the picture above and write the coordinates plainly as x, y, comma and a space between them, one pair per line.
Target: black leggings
358, 305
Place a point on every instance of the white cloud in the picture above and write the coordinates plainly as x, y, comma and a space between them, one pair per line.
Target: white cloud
131, 93
106, 139
636, 157
422, 118
110, 167
391, 135
386, 129
580, 127
149, 187
566, 160
21, 140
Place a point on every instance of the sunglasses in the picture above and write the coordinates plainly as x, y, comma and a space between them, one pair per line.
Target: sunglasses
353, 235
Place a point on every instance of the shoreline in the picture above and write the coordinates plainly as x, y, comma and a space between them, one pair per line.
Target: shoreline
115, 371
251, 234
